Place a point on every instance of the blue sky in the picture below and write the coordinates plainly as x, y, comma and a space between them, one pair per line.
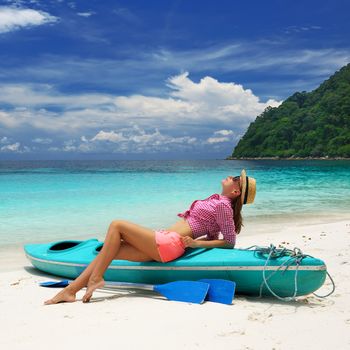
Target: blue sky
155, 79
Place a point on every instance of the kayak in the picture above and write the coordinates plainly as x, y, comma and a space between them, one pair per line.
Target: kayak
257, 271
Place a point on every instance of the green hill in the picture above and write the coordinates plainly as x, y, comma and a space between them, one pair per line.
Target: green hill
307, 124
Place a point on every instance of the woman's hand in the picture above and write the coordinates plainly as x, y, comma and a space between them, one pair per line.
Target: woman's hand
189, 242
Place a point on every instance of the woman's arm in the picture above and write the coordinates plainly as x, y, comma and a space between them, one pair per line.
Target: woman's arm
199, 243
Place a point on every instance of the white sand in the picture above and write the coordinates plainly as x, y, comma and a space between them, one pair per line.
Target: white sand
137, 321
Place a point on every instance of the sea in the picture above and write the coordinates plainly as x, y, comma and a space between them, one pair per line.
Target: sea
43, 201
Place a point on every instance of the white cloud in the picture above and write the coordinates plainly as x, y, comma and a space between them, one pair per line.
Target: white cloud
218, 139
108, 136
15, 18
130, 140
142, 71
8, 120
298, 29
199, 113
12, 148
42, 141
15, 148
223, 132
68, 146
220, 136
225, 101
192, 102
189, 104
86, 14
145, 106
72, 5
54, 149
36, 95
4, 140
264, 55
137, 137
158, 139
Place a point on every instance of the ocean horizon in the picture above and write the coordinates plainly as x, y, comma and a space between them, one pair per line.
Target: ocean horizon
52, 200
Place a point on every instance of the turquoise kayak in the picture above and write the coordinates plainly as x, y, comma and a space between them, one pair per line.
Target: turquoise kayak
255, 271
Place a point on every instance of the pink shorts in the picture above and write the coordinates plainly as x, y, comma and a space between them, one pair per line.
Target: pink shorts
169, 245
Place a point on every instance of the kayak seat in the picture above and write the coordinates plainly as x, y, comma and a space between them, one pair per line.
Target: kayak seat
64, 245
98, 248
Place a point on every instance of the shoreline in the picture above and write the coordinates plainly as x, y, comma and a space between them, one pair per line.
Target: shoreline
287, 158
250, 323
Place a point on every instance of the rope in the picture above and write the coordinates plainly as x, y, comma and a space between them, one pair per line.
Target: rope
295, 256
331, 292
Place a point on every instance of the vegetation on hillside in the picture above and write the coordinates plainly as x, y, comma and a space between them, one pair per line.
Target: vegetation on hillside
314, 124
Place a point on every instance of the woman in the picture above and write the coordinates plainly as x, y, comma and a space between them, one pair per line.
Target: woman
128, 241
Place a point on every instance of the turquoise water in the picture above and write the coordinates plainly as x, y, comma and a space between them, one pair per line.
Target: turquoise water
51, 200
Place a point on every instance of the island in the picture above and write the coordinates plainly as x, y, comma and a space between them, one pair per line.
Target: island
308, 125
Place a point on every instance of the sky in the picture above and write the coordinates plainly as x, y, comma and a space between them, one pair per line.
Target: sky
156, 79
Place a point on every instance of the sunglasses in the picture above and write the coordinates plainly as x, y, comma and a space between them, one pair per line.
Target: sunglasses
237, 178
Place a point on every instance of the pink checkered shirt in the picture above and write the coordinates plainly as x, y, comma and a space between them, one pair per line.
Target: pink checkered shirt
211, 216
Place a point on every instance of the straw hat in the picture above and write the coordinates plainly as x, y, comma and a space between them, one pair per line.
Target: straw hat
248, 188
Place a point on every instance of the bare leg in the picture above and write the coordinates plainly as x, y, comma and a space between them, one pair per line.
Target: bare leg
68, 294
139, 237
123, 251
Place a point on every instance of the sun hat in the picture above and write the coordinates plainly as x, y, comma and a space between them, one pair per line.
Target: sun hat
248, 188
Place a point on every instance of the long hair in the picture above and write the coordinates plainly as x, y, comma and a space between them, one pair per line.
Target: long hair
237, 205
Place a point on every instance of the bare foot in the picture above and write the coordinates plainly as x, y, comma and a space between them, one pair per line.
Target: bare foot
93, 284
65, 295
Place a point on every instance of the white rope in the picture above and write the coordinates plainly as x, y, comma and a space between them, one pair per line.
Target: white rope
296, 256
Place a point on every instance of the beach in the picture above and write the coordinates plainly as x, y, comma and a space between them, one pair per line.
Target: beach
139, 321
